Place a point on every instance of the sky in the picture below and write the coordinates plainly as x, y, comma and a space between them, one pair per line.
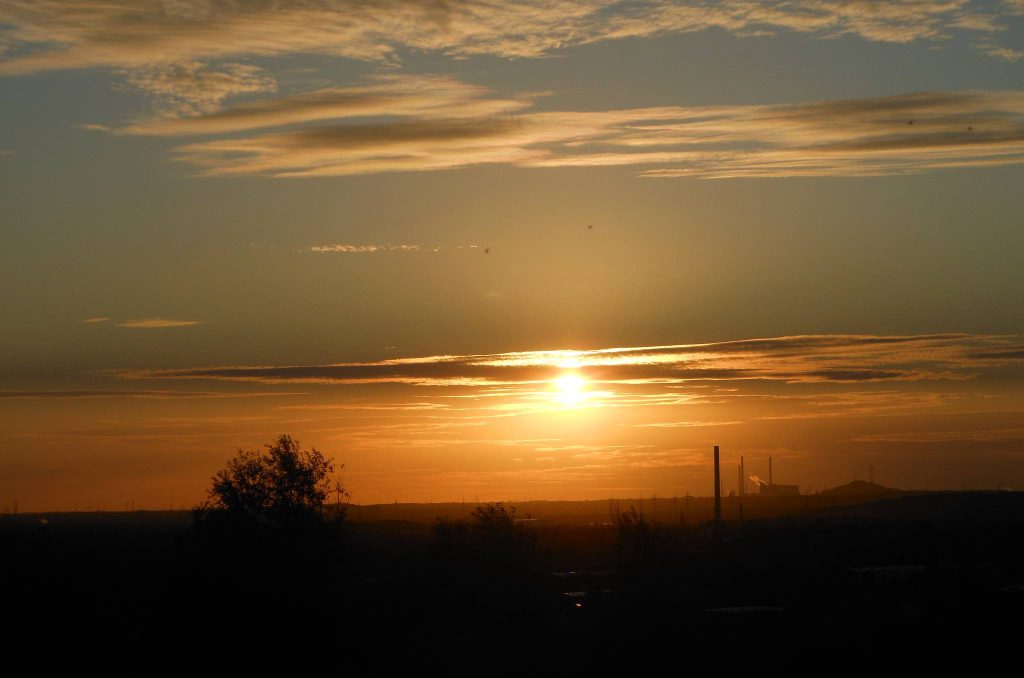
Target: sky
550, 249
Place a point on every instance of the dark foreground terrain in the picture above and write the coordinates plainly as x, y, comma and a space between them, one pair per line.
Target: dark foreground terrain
923, 580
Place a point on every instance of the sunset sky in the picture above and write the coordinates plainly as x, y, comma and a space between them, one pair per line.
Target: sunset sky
549, 249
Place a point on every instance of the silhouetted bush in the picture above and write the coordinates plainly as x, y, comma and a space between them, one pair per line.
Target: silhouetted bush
633, 538
646, 553
491, 550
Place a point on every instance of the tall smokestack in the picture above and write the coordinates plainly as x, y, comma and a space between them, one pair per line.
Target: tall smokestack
718, 490
743, 477
769, 470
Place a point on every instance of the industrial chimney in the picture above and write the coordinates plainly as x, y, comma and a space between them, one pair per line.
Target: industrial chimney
718, 490
743, 477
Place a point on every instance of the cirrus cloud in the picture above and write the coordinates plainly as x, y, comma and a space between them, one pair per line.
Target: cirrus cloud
390, 127
394, 95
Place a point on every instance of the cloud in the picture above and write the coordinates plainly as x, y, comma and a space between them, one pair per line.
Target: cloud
341, 248
965, 436
898, 134
1005, 53
837, 359
421, 96
190, 87
782, 407
362, 249
384, 407
157, 323
113, 393
97, 319
349, 149
688, 424
41, 35
1009, 353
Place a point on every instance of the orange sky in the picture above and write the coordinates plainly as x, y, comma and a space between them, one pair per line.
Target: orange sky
925, 411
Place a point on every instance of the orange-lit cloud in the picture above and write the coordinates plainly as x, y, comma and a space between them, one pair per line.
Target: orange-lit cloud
899, 134
189, 87
50, 34
113, 393
960, 435
407, 96
687, 424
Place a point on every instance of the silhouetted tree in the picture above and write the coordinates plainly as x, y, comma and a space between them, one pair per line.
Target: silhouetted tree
263, 538
284, 488
497, 522
492, 532
491, 552
634, 540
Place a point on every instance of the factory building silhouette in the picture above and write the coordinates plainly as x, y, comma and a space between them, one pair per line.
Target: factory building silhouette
764, 489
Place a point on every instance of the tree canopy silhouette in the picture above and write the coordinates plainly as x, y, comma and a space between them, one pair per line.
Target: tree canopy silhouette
492, 544
282, 487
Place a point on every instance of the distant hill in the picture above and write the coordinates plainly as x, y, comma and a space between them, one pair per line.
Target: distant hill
860, 488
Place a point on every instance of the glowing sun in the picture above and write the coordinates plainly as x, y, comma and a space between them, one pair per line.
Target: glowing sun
570, 389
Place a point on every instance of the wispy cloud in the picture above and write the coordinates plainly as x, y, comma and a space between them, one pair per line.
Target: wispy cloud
688, 424
341, 248
422, 96
53, 34
924, 437
157, 323
97, 319
114, 393
849, 359
362, 249
899, 134
874, 403
1005, 53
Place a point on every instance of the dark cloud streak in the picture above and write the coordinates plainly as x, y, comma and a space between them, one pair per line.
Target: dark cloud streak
834, 358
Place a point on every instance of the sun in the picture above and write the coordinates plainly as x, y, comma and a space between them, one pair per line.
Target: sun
570, 388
